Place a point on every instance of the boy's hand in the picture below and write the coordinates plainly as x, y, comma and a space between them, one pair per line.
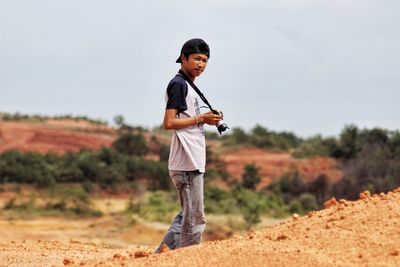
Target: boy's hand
210, 118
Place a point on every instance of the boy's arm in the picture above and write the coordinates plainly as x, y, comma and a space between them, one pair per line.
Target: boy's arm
171, 122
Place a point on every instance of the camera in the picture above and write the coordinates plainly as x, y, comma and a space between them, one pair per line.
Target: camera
221, 125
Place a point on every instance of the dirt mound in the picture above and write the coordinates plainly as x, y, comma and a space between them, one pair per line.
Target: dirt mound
52, 137
273, 165
347, 233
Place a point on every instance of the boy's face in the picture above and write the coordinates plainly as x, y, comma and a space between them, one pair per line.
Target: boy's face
195, 64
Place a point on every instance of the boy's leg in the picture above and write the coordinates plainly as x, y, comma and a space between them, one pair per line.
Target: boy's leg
172, 237
193, 220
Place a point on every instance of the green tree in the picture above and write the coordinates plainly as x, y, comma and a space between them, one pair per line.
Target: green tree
251, 204
131, 144
348, 142
260, 137
119, 120
164, 152
239, 136
317, 146
250, 177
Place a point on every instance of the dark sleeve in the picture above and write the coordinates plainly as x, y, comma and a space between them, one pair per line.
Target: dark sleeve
177, 91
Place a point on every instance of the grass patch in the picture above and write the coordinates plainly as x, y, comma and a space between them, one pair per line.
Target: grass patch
158, 206
68, 201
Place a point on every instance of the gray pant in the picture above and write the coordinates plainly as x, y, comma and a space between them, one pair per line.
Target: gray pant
188, 226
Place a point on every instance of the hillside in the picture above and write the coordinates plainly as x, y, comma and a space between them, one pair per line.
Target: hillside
60, 136
348, 233
275, 164
54, 136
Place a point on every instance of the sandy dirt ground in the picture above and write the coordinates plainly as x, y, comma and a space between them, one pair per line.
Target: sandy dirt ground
346, 233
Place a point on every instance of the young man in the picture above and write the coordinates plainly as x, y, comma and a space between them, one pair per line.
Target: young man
187, 156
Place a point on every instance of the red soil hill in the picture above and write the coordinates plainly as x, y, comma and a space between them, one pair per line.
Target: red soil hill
53, 136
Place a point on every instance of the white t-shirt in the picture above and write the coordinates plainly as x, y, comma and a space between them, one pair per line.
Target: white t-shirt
188, 145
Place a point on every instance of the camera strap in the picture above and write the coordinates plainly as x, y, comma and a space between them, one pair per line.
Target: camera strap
183, 74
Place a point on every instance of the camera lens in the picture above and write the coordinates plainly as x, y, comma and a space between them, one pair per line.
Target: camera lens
222, 126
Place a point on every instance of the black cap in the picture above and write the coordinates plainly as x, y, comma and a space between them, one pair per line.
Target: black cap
194, 46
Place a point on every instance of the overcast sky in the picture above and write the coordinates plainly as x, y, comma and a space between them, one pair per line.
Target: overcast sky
305, 66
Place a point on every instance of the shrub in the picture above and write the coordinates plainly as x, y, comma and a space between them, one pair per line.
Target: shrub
250, 177
71, 199
131, 144
164, 153
296, 207
219, 201
308, 202
26, 168
316, 146
157, 206
251, 205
